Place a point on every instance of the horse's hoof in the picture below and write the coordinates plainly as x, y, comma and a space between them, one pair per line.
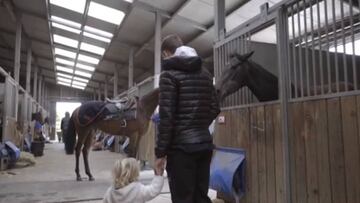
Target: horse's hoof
91, 178
79, 179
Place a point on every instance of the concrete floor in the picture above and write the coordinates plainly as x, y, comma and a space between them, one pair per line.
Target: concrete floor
52, 179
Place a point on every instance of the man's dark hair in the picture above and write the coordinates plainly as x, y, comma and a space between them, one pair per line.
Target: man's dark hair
171, 43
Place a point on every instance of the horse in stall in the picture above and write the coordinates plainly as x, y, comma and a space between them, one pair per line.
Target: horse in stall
264, 85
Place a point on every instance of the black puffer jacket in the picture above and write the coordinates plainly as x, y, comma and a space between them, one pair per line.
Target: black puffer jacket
187, 104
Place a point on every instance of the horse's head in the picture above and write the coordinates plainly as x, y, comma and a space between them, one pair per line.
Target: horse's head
234, 75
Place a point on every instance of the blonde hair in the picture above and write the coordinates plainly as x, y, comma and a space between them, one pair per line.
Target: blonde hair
125, 172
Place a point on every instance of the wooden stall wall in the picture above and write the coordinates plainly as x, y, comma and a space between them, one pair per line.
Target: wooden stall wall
324, 150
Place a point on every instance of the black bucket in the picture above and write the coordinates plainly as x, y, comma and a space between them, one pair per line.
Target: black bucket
37, 148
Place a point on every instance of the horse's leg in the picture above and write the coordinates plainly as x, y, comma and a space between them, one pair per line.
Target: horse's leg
85, 152
79, 143
132, 145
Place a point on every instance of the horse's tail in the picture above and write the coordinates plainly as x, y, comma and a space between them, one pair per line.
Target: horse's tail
70, 138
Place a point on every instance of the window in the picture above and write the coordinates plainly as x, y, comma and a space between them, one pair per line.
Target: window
79, 83
104, 39
64, 69
81, 73
92, 48
63, 79
97, 31
64, 27
64, 75
65, 21
65, 62
65, 41
66, 53
88, 59
64, 83
77, 5
105, 13
85, 67
80, 79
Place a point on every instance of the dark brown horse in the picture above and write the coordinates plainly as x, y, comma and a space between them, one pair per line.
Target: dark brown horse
134, 129
242, 72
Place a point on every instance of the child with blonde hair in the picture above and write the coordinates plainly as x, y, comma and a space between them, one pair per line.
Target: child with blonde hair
127, 189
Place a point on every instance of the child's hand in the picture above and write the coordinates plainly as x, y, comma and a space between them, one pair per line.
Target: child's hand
160, 166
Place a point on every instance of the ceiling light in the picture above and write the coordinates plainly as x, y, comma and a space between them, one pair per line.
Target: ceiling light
79, 83
92, 48
105, 13
77, 6
97, 31
64, 79
80, 79
64, 27
96, 37
64, 69
64, 52
65, 21
88, 59
65, 41
81, 73
85, 67
64, 75
65, 62
63, 83
78, 87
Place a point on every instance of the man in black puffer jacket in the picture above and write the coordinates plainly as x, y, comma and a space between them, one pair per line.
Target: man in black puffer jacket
187, 107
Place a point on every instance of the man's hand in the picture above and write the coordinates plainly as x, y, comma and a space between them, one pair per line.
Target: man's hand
160, 166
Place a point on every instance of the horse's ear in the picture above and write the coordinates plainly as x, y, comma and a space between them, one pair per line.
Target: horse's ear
246, 57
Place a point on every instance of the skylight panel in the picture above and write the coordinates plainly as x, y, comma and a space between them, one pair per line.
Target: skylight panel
348, 48
78, 87
92, 48
64, 69
79, 83
130, 1
104, 39
97, 31
85, 67
63, 79
88, 59
64, 83
81, 79
105, 13
65, 21
77, 5
65, 41
64, 75
65, 62
64, 27
81, 73
64, 52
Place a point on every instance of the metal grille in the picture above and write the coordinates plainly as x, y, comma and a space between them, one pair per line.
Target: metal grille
324, 53
241, 45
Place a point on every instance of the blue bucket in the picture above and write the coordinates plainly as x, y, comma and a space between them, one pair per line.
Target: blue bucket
227, 172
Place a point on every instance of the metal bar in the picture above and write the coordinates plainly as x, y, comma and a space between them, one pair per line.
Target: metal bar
131, 68
344, 44
313, 51
306, 53
320, 48
28, 70
355, 82
282, 40
300, 51
219, 10
17, 50
327, 96
335, 44
328, 65
116, 79
294, 65
39, 89
157, 48
106, 87
35, 81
